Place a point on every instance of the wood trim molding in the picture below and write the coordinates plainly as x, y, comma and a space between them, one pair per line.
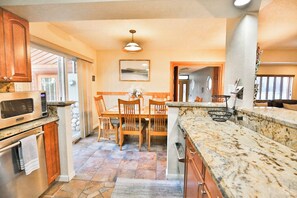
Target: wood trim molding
45, 43
197, 64
155, 94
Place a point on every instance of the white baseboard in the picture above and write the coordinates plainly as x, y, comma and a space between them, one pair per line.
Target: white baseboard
66, 178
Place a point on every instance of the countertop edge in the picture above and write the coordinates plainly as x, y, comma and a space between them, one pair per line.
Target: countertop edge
8, 132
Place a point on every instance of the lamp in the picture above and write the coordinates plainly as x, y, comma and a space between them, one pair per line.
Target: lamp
241, 3
132, 46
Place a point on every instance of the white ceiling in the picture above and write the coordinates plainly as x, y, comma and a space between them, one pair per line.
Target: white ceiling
160, 24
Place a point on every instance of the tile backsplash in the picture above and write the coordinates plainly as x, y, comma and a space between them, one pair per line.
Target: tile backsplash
7, 87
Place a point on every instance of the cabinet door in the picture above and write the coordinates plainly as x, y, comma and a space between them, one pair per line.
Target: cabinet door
2, 52
52, 151
194, 181
17, 48
211, 188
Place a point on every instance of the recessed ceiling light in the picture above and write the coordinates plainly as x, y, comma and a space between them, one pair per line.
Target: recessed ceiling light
241, 3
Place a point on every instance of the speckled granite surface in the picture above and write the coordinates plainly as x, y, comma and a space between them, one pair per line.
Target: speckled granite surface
243, 163
26, 126
275, 123
279, 115
62, 104
195, 104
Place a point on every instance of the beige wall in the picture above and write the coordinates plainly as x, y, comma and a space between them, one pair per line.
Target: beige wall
279, 56
108, 68
281, 70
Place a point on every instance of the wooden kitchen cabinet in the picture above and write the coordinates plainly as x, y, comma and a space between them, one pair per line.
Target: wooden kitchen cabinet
198, 181
15, 62
51, 144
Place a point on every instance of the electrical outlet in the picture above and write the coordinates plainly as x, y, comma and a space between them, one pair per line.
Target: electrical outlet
239, 117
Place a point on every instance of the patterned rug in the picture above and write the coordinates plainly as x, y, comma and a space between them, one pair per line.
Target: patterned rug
144, 188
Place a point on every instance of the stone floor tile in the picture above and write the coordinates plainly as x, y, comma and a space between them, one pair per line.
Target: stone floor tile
102, 153
79, 162
56, 186
118, 154
105, 175
147, 164
161, 175
94, 163
129, 164
161, 165
147, 156
125, 173
132, 155
106, 193
99, 164
145, 174
72, 189
92, 189
162, 155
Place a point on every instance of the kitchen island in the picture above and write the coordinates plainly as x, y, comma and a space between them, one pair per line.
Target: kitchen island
242, 162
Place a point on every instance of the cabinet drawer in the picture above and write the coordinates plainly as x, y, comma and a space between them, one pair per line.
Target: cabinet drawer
192, 151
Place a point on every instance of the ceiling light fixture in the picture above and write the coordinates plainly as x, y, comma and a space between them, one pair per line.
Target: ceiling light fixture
132, 46
241, 3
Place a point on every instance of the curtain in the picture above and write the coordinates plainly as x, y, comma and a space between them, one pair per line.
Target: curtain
85, 96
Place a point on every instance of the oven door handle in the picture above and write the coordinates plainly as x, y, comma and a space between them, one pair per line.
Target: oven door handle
17, 143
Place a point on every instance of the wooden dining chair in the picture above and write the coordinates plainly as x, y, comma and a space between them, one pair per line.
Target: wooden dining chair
198, 99
157, 120
130, 120
105, 123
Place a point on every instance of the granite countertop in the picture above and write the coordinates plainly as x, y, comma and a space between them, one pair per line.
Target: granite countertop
60, 103
7, 132
279, 115
195, 104
242, 162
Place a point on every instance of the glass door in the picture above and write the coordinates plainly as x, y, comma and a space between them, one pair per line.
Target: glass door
72, 85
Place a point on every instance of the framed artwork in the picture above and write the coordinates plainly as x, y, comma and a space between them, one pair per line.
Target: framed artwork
134, 70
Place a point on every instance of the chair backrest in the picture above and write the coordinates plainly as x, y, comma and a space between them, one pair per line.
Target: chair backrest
129, 112
100, 105
157, 115
198, 99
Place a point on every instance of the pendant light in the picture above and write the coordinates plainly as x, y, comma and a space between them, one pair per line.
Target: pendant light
241, 3
132, 46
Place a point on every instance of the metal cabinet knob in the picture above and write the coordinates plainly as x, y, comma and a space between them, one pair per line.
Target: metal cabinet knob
5, 78
10, 78
203, 192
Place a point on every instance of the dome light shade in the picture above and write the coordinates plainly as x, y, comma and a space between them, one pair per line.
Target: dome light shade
132, 46
241, 3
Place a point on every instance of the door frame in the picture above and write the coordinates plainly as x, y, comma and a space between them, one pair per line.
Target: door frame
220, 65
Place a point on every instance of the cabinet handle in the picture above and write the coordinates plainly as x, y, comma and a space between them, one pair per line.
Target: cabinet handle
192, 152
5, 78
203, 192
10, 78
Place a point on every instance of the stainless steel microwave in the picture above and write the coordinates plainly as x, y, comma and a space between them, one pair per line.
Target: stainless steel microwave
20, 107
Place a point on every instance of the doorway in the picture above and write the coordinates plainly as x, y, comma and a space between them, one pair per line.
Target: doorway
191, 79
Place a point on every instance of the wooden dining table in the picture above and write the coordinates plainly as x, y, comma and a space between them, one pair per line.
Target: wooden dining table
114, 112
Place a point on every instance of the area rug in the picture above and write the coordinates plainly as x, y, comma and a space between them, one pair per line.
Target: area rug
144, 188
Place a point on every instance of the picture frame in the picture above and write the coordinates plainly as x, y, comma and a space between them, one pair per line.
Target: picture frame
134, 70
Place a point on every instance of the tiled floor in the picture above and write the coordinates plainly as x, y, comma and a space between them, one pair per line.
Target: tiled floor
98, 164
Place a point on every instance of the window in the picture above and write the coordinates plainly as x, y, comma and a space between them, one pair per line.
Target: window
274, 87
183, 77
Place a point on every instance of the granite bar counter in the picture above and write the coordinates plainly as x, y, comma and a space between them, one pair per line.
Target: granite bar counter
278, 124
242, 162
7, 132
